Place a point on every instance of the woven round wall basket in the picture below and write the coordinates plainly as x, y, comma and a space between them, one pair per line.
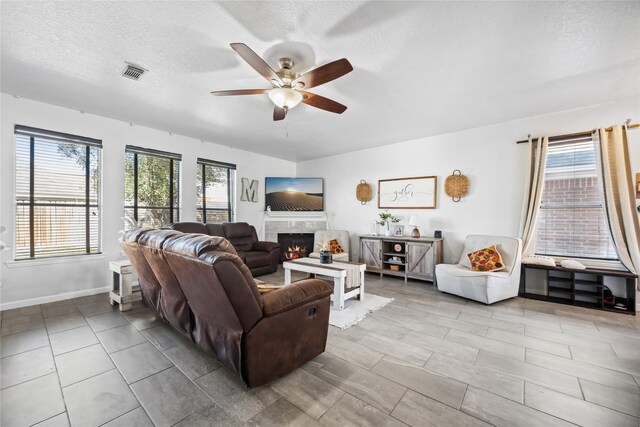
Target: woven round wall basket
363, 192
456, 185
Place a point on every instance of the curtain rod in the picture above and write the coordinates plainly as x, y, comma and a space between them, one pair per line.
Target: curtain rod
577, 134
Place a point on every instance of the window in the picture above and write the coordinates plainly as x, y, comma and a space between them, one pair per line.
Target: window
215, 186
57, 194
151, 188
572, 221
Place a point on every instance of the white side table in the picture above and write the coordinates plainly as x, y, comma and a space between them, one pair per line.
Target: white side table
125, 291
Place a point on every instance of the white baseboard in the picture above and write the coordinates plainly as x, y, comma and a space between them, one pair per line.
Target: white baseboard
52, 298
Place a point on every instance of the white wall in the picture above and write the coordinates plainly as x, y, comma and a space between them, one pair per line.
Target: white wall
488, 155
31, 282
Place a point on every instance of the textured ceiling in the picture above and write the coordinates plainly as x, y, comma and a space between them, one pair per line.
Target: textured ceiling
420, 68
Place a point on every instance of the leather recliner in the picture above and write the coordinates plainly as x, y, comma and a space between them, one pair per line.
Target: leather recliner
261, 257
203, 289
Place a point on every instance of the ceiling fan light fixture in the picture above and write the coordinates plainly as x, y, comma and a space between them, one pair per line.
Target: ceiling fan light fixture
285, 97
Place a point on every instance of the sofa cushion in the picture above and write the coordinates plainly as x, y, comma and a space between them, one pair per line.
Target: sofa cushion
190, 227
486, 259
256, 259
215, 230
294, 295
151, 289
174, 305
241, 235
235, 230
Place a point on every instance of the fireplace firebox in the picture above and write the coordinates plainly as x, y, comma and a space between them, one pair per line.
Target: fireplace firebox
295, 245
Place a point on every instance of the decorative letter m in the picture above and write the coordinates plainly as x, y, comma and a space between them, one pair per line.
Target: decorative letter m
249, 191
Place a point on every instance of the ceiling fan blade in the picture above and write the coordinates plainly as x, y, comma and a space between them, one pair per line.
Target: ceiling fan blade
239, 92
322, 103
279, 113
324, 74
255, 61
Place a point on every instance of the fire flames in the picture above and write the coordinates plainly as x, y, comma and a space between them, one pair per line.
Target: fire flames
296, 251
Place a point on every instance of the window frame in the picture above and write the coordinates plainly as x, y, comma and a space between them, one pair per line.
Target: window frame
172, 157
201, 162
571, 140
64, 138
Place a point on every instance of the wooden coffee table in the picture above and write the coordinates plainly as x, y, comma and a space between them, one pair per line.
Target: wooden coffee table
337, 269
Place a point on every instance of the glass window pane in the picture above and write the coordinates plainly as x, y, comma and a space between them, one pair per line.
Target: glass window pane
217, 216
217, 187
61, 208
216, 193
176, 191
158, 189
22, 168
129, 179
572, 221
154, 217
153, 181
59, 230
22, 231
199, 187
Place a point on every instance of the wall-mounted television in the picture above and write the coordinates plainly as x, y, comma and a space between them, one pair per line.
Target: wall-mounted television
294, 194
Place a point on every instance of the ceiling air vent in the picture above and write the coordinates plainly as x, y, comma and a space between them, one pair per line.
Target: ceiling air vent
133, 72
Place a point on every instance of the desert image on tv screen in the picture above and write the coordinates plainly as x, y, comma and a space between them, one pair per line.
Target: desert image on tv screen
294, 194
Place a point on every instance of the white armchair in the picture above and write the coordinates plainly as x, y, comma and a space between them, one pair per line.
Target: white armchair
487, 287
325, 236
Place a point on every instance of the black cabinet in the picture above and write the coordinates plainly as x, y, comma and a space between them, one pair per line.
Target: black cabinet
584, 288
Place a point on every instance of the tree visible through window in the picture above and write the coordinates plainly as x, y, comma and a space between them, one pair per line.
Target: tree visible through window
151, 188
57, 194
572, 221
214, 186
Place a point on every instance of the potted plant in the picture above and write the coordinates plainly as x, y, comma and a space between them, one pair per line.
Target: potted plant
326, 257
385, 220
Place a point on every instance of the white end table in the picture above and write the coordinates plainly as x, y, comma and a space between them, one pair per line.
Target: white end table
125, 291
337, 270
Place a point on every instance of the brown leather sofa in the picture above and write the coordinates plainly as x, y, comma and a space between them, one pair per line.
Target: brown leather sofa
261, 257
201, 287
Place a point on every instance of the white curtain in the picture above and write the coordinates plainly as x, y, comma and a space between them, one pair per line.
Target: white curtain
534, 182
619, 196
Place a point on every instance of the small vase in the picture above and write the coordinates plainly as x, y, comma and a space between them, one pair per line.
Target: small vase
326, 257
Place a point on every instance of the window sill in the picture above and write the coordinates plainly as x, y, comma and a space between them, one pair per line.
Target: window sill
54, 260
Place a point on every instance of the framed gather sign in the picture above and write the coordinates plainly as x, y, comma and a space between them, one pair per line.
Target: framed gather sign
407, 193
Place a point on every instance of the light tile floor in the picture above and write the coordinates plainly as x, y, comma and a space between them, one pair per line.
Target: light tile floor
426, 359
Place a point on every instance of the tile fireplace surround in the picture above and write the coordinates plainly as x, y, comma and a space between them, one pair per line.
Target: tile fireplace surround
292, 222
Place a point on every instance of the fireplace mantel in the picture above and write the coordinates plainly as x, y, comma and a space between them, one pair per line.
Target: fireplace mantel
292, 222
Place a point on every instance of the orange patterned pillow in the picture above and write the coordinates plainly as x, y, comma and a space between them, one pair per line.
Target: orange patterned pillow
335, 247
487, 259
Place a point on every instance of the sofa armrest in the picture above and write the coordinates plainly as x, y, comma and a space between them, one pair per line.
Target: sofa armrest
294, 295
265, 246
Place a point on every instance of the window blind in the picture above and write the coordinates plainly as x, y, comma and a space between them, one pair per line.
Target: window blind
572, 221
57, 194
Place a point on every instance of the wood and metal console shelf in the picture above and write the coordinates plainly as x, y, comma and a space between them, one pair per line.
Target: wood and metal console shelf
403, 256
584, 288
